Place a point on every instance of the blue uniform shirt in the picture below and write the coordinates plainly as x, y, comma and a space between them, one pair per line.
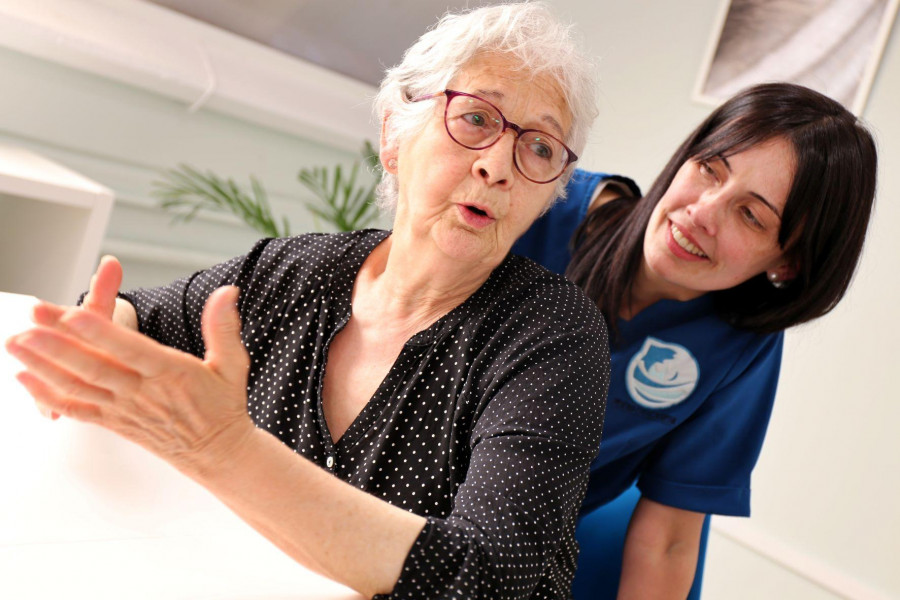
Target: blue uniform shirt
690, 396
547, 240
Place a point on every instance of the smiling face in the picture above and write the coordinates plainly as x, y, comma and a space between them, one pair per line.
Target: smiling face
471, 205
717, 224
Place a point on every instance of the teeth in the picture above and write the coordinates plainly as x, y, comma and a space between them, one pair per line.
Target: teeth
685, 243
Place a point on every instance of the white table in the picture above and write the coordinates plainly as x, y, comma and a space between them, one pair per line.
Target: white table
85, 514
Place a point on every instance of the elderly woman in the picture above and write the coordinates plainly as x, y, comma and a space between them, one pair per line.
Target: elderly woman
412, 413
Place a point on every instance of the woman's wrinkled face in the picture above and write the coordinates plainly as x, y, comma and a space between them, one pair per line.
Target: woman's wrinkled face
717, 225
473, 204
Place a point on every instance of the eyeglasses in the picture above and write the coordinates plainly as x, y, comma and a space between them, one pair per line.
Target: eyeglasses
475, 123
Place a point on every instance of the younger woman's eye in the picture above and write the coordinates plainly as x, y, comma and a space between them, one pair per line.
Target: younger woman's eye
705, 168
750, 218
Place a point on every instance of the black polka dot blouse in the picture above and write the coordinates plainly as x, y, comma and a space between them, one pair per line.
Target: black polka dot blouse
486, 424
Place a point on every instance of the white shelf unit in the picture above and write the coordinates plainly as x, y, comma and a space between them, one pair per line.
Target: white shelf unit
52, 223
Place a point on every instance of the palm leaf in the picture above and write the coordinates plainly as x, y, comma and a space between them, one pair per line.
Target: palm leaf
188, 191
339, 200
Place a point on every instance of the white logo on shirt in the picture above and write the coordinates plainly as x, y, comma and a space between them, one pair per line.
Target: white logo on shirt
661, 375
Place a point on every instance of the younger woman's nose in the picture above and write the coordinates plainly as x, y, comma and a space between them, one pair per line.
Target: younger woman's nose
705, 212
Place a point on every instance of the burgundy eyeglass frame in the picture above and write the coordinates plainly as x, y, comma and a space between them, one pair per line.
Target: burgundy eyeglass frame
507, 124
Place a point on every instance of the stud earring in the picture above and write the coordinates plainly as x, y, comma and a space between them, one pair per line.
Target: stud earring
392, 163
775, 281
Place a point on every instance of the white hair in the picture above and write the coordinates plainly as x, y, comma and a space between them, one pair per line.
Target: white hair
527, 31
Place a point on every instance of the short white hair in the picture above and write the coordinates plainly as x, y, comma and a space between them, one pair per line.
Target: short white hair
527, 31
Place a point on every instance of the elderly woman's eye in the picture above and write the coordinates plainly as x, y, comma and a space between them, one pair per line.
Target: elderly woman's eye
541, 150
476, 119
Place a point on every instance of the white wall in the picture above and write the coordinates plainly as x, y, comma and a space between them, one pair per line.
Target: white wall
123, 134
826, 491
123, 137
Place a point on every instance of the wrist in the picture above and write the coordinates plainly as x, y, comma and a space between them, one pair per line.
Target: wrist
224, 454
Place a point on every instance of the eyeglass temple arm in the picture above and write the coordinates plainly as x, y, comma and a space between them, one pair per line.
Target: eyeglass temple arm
426, 97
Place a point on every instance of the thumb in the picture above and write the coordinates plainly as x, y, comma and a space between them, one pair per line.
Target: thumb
221, 327
101, 296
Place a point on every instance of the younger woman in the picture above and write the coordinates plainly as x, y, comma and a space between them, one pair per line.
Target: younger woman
755, 224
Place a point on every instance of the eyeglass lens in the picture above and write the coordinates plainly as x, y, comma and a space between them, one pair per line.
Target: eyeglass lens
476, 124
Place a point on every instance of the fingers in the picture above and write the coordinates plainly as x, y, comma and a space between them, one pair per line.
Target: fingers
52, 316
74, 371
47, 412
44, 312
56, 404
221, 326
101, 296
139, 352
47, 314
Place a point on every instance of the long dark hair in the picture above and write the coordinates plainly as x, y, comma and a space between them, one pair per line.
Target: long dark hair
822, 228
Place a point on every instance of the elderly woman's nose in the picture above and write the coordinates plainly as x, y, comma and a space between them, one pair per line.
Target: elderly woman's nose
495, 163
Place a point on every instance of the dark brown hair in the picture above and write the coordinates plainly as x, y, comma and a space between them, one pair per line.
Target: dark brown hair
822, 228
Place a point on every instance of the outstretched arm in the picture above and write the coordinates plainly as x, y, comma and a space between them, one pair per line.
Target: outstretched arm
513, 497
192, 413
660, 555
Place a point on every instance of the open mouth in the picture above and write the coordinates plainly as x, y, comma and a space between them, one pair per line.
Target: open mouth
684, 243
475, 216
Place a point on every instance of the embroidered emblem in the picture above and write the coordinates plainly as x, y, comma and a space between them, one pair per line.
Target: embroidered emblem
661, 375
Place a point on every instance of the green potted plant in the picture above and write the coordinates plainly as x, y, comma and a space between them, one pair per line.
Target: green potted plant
342, 202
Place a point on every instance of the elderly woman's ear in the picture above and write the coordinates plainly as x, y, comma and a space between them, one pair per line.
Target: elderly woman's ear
387, 146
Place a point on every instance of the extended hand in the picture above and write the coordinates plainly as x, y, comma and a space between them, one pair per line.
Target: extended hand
189, 412
100, 300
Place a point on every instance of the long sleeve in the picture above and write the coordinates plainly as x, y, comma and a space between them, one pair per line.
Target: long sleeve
486, 423
509, 534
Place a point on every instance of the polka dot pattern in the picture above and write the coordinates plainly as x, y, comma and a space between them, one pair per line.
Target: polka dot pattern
486, 424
